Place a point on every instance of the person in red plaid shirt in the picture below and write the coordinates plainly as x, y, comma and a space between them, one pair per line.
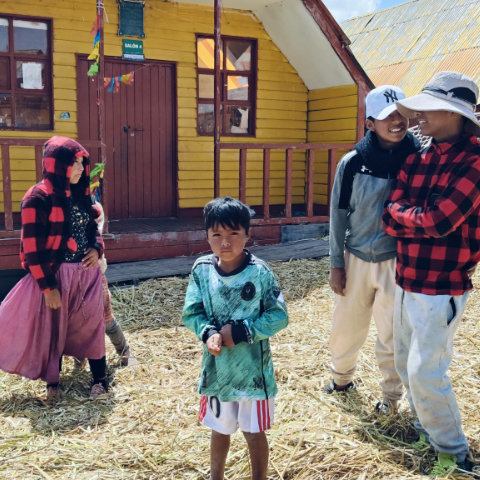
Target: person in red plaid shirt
434, 211
57, 308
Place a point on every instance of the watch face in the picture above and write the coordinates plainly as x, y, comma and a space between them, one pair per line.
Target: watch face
248, 291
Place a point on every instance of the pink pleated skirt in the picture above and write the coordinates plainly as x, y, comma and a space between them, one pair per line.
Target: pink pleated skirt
33, 337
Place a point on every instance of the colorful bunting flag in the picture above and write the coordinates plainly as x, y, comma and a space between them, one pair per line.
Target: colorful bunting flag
112, 84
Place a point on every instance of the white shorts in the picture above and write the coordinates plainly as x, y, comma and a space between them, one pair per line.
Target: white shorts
252, 416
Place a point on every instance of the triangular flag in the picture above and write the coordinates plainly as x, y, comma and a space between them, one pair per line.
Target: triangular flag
117, 84
111, 86
95, 53
106, 81
93, 70
96, 40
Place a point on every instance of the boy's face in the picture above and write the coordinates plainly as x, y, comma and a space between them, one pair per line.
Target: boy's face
434, 124
227, 243
391, 130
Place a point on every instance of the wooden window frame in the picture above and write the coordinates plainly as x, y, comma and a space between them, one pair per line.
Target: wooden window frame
252, 85
14, 57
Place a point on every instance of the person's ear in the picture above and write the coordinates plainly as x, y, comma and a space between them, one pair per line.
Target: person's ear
370, 124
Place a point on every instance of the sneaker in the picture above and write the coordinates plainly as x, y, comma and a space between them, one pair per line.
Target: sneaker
333, 387
446, 464
386, 407
98, 391
422, 444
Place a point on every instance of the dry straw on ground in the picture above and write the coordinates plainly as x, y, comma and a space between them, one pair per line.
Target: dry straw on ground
147, 429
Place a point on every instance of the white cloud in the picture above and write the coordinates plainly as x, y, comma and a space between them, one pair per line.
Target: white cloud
344, 9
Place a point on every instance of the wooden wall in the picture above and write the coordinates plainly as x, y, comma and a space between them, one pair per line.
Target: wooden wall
170, 36
332, 118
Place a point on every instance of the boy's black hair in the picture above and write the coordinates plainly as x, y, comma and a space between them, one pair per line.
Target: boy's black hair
227, 212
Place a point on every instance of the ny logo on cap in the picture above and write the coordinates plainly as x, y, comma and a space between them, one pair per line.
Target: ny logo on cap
391, 95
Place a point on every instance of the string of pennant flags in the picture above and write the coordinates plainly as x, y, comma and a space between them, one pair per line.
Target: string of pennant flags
112, 84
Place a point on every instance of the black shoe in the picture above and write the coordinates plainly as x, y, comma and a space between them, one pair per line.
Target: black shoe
333, 387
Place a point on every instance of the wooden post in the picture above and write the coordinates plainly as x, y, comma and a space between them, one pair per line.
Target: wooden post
38, 162
7, 187
217, 97
101, 108
288, 182
310, 172
266, 183
242, 175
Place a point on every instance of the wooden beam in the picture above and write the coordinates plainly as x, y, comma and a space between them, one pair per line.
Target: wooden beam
339, 42
7, 187
242, 175
217, 98
288, 182
310, 174
266, 184
101, 109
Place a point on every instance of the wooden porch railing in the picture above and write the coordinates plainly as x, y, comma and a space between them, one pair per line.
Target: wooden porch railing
37, 144
288, 149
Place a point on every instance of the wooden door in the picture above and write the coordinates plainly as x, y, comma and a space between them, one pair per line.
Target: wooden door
140, 134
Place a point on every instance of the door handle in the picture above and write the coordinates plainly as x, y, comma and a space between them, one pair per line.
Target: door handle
126, 128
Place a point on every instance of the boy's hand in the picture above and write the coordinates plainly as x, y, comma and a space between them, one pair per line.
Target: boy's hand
214, 344
53, 299
338, 280
91, 258
226, 333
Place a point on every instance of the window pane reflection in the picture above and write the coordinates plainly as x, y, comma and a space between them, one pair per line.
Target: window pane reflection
206, 53
32, 111
206, 119
239, 55
3, 35
5, 111
237, 119
237, 88
30, 37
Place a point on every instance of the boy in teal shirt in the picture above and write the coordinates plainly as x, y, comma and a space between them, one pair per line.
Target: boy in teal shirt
233, 305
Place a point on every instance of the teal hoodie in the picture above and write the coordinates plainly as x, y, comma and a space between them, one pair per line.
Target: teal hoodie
248, 297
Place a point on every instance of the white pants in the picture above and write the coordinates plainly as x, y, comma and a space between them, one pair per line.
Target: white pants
252, 416
425, 326
370, 290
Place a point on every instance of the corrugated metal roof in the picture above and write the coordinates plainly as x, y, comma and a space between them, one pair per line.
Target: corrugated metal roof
405, 45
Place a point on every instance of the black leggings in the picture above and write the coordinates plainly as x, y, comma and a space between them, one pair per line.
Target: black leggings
99, 370
97, 367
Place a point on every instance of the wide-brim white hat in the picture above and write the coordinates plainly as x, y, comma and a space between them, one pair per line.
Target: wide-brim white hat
447, 91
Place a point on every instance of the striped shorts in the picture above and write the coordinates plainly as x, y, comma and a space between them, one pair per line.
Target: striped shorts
252, 416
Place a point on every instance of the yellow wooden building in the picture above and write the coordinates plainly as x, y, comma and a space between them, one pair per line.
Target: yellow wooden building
288, 78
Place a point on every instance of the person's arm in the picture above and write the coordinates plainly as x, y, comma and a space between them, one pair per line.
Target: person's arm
399, 196
273, 318
35, 228
194, 315
448, 210
338, 221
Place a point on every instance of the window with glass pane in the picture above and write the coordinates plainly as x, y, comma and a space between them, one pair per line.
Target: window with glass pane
3, 35
25, 74
30, 37
238, 94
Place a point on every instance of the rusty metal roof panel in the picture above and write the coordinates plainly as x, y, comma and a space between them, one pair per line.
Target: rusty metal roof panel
408, 43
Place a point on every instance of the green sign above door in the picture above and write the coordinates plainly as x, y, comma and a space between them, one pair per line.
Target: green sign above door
132, 49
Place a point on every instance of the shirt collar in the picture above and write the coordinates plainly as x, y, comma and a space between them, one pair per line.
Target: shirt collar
444, 147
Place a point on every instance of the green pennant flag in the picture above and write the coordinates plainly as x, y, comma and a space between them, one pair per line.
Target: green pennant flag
93, 70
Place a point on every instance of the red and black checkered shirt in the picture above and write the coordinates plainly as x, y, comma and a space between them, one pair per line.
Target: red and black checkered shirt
434, 210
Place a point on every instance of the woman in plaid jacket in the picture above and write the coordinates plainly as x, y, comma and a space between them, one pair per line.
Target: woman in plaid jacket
57, 308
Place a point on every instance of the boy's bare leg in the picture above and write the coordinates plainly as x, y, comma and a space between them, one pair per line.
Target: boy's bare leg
258, 448
219, 446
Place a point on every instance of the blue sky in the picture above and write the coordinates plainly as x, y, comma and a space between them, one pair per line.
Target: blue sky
344, 9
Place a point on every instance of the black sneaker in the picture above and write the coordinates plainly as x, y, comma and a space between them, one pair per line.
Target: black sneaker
333, 387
